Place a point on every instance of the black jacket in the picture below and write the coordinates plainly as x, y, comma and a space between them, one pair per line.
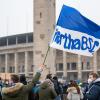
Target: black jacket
94, 91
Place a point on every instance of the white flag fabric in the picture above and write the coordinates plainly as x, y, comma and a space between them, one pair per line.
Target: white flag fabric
75, 33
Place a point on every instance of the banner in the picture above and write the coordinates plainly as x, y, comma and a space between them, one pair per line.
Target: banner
75, 33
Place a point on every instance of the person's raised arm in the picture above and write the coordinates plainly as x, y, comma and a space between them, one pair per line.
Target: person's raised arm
35, 79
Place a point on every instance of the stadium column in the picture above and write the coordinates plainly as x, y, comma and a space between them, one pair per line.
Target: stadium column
16, 62
85, 63
6, 63
26, 63
64, 65
44, 20
95, 62
16, 40
7, 42
26, 38
79, 67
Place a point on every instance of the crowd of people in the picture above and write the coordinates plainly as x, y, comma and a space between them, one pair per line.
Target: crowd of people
50, 89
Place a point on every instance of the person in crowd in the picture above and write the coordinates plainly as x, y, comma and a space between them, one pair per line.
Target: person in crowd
65, 87
23, 79
47, 91
34, 94
93, 92
19, 91
58, 88
84, 86
35, 91
74, 92
0, 88
49, 76
6, 83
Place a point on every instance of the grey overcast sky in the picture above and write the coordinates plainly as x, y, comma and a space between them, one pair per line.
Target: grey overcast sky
16, 16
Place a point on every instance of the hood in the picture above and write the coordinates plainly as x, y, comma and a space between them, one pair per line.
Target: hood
47, 83
72, 89
12, 90
97, 81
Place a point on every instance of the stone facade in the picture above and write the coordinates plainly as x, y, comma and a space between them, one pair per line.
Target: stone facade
17, 57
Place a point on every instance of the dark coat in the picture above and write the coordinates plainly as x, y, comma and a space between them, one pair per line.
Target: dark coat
47, 91
23, 79
19, 91
58, 87
94, 91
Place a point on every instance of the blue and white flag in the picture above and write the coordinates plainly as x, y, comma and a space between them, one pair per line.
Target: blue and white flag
75, 33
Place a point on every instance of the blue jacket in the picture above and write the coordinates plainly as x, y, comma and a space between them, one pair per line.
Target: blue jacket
94, 91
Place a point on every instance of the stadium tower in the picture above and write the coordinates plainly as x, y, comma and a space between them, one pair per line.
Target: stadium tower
44, 21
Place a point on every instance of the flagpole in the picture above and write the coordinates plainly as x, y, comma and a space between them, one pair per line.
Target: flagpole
46, 55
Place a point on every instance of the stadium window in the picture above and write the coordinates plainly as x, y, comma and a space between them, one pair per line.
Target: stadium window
21, 39
68, 66
73, 66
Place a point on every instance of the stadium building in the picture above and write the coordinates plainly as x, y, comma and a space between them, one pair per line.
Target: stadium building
17, 53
